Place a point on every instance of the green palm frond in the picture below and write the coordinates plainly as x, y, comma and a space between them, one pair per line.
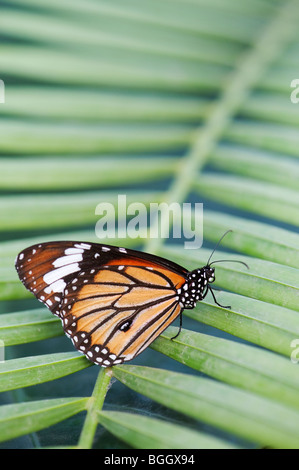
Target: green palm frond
163, 101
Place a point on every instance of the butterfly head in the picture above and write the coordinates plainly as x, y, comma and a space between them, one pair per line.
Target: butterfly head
209, 273
200, 278
198, 282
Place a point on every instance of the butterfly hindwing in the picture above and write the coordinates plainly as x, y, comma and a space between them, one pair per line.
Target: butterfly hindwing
110, 317
112, 302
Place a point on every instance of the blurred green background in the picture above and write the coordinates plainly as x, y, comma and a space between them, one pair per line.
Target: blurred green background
169, 100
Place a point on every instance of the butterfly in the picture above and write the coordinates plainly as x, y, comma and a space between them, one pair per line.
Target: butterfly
113, 302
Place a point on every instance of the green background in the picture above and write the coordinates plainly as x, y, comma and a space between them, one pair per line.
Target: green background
175, 101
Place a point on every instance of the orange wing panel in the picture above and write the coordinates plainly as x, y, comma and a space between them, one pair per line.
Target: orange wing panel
120, 338
104, 275
175, 278
140, 295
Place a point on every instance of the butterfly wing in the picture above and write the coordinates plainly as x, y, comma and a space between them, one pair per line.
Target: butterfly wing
112, 302
46, 269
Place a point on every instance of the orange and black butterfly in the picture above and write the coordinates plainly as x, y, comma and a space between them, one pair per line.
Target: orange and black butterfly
113, 302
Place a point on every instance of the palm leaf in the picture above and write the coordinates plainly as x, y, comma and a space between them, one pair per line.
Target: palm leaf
164, 101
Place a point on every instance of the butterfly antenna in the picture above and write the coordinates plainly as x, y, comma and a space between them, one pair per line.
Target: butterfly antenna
228, 231
229, 261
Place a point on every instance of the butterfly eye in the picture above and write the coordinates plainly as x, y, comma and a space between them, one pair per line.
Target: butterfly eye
125, 326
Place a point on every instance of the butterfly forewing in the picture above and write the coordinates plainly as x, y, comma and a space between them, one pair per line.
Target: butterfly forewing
112, 302
46, 269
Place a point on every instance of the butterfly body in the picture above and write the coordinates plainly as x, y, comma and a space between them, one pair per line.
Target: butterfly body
113, 302
196, 287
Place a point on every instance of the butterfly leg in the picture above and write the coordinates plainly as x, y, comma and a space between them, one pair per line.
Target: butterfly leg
217, 303
180, 327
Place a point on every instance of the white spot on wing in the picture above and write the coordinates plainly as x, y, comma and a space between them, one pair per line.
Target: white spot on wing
69, 259
60, 273
57, 286
85, 246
